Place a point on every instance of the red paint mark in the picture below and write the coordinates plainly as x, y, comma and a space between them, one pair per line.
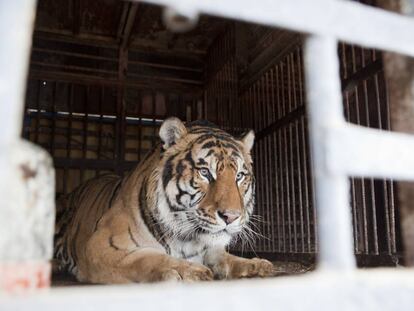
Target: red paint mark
43, 278
24, 276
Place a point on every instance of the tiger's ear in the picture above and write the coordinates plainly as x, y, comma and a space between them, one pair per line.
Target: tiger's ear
172, 129
248, 140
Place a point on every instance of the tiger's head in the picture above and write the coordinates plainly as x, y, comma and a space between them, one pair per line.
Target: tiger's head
207, 181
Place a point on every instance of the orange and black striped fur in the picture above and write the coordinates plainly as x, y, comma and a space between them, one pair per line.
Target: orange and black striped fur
170, 218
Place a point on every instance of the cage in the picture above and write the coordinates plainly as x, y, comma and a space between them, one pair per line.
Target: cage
102, 77
104, 74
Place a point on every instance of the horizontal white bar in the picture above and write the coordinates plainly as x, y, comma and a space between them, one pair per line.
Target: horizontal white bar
345, 20
361, 151
378, 289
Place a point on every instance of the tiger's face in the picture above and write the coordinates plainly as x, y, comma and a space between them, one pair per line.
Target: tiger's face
208, 181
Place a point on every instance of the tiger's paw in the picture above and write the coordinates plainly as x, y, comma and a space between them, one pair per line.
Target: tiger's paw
195, 272
247, 268
187, 272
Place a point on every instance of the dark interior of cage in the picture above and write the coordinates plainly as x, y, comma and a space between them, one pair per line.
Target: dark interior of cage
102, 81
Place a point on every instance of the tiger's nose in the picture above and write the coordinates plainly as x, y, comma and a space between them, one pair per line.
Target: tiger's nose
228, 216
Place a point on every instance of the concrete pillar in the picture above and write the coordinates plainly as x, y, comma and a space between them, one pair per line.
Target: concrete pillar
27, 214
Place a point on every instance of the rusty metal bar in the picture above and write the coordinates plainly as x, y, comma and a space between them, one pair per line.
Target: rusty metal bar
261, 190
261, 122
270, 113
230, 107
305, 178
285, 111
216, 100
154, 117
304, 153
36, 140
274, 174
241, 101
298, 162
291, 153
387, 184
67, 147
361, 182
221, 56
100, 112
267, 170
280, 144
400, 82
127, 27
234, 93
53, 125
384, 182
69, 142
251, 108
312, 242
293, 188
84, 132
225, 84
311, 165
300, 172
259, 152
391, 186
371, 180
140, 125
121, 116
392, 212
225, 93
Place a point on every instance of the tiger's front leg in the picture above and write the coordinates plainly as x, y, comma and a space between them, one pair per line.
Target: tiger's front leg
114, 259
227, 266
154, 267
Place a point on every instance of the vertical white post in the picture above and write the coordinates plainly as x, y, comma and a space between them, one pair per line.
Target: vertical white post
325, 112
27, 180
16, 28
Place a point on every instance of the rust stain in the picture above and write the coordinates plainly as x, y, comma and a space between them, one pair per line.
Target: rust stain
27, 171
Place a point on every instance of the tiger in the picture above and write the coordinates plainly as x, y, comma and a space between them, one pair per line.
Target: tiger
171, 218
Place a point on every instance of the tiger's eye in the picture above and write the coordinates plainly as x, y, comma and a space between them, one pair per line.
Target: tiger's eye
239, 176
204, 172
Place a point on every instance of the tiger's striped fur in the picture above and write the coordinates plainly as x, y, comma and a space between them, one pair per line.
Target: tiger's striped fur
170, 218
